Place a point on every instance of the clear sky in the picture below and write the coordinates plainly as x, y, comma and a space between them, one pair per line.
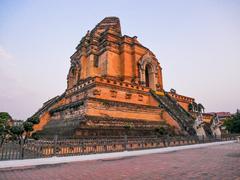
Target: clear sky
197, 44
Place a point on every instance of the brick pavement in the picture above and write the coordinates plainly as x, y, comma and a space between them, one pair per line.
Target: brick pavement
213, 162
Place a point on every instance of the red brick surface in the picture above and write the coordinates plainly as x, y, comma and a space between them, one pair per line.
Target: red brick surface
215, 162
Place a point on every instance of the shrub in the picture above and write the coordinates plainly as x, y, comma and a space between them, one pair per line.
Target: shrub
232, 124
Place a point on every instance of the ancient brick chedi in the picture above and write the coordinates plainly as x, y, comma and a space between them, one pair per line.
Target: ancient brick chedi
114, 83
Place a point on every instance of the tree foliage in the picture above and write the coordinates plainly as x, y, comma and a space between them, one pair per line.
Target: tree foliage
19, 132
33, 120
28, 126
4, 117
4, 126
232, 124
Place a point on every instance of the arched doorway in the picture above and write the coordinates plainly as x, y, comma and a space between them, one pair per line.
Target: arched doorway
149, 76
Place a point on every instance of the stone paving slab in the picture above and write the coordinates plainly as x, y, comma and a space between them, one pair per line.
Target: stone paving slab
212, 162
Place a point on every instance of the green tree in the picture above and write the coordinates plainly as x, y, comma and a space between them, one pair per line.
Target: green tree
4, 117
33, 120
232, 124
4, 126
17, 132
28, 128
24, 131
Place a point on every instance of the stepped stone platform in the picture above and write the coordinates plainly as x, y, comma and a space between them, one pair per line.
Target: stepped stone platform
114, 83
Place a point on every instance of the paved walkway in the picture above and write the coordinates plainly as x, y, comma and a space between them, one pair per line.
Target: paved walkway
213, 162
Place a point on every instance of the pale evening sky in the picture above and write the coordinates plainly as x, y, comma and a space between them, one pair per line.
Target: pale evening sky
197, 44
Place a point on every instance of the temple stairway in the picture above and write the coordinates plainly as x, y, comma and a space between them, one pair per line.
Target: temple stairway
48, 104
208, 130
184, 119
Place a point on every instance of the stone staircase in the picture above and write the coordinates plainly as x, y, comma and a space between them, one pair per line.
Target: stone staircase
184, 119
207, 129
48, 104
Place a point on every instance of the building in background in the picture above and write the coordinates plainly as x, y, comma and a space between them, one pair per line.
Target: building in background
17, 122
